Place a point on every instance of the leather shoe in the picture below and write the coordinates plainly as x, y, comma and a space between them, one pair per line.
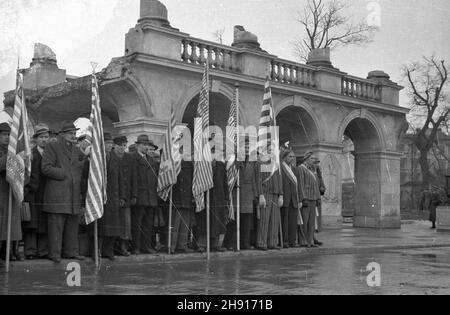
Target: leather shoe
56, 260
78, 257
316, 242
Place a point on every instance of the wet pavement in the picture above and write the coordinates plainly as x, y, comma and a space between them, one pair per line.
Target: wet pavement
422, 271
413, 260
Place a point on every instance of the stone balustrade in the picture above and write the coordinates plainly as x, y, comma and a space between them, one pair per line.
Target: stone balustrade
227, 58
221, 57
283, 71
360, 88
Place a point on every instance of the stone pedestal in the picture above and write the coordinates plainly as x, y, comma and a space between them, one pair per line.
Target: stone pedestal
443, 219
377, 177
389, 90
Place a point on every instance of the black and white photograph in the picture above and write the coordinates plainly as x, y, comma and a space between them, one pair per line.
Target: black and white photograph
224, 154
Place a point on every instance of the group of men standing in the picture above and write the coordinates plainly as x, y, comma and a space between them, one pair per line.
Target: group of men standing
276, 210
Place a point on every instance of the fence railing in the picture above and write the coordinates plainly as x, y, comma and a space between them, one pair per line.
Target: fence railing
283, 71
360, 88
226, 58
220, 57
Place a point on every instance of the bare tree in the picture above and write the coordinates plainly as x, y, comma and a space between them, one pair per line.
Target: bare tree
430, 107
326, 24
218, 35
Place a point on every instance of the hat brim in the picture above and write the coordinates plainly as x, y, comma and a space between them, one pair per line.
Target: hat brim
68, 130
148, 143
37, 134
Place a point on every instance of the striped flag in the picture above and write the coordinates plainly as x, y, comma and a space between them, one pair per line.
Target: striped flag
96, 194
203, 174
268, 142
170, 166
18, 165
232, 139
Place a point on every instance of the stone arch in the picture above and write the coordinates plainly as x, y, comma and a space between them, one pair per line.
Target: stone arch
129, 98
188, 96
370, 130
298, 121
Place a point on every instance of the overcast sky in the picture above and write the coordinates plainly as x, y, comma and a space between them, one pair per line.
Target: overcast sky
80, 31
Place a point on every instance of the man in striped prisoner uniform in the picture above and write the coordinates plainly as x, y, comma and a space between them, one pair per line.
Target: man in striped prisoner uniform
310, 185
269, 216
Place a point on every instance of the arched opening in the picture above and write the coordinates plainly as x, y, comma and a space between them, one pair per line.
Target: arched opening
298, 128
219, 111
361, 167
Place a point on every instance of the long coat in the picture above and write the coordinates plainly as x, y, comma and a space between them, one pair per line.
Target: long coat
147, 180
16, 228
434, 203
109, 224
129, 178
219, 199
250, 186
63, 165
35, 196
182, 190
292, 193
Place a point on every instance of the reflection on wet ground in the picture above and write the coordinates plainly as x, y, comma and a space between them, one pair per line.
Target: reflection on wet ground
424, 271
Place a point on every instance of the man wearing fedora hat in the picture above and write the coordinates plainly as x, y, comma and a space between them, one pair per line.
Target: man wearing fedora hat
129, 186
35, 232
16, 230
63, 164
146, 201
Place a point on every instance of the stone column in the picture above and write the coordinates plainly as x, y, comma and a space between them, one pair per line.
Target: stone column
377, 177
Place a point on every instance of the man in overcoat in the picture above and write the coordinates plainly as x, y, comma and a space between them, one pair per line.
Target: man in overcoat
63, 165
143, 211
16, 229
109, 225
183, 208
35, 232
130, 193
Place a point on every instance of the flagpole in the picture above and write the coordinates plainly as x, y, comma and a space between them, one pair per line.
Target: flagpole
279, 170
96, 247
169, 235
97, 263
208, 227
238, 195
8, 238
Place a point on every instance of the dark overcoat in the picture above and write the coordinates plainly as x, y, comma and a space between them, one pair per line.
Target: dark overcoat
220, 199
16, 228
250, 186
63, 166
129, 178
182, 190
109, 224
147, 180
35, 196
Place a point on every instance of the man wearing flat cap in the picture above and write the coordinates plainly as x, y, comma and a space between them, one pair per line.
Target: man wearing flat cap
144, 207
35, 232
63, 164
16, 230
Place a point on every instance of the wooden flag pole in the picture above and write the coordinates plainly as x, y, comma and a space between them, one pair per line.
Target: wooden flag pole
238, 188
8, 237
208, 227
97, 260
169, 235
